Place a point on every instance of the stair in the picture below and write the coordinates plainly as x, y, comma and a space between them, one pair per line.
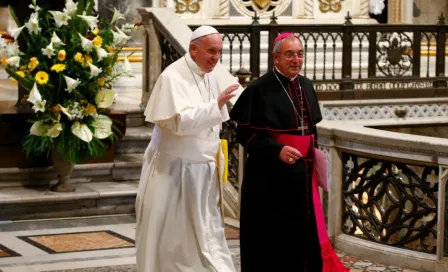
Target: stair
94, 198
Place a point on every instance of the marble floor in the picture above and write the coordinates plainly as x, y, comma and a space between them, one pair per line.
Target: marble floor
97, 244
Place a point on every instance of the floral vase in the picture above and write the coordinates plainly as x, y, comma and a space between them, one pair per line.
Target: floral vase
63, 168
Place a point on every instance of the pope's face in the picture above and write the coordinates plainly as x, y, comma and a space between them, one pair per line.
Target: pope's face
289, 60
207, 52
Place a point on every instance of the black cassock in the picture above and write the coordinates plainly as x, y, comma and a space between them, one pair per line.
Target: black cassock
277, 227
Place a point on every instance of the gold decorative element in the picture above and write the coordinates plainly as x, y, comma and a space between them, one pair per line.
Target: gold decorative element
330, 6
262, 3
183, 6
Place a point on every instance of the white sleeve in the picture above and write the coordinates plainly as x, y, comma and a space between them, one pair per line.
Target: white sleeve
194, 119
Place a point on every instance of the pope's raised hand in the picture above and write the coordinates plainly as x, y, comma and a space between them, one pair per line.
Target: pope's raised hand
226, 95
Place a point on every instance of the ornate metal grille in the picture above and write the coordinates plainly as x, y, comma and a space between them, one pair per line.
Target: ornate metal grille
394, 53
391, 203
169, 54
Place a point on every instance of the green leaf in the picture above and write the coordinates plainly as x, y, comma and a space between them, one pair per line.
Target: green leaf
18, 23
80, 7
26, 83
14, 16
89, 8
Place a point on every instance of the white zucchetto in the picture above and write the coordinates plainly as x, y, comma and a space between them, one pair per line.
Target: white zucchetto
203, 31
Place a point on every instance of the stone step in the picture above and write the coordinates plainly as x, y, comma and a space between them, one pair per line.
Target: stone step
125, 167
135, 140
89, 199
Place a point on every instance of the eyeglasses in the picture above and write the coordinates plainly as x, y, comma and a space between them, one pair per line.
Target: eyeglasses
291, 55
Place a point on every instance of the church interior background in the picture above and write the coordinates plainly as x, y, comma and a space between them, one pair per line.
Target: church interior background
380, 71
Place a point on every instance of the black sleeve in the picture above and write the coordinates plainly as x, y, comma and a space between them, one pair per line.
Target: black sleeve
258, 142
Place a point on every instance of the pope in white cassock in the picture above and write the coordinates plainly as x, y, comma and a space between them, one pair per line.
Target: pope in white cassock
179, 223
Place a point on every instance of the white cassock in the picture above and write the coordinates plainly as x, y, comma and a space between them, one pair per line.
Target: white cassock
179, 225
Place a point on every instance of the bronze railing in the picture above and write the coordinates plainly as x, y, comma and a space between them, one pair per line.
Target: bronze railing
351, 61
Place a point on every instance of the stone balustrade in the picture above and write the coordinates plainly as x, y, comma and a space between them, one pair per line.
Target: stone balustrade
388, 181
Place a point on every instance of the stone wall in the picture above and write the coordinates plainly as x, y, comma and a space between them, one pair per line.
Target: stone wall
428, 11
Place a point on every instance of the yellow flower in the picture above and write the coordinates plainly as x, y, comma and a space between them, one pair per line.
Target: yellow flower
4, 61
20, 73
88, 58
58, 68
79, 58
101, 81
89, 110
41, 77
96, 31
98, 41
56, 109
61, 55
33, 63
110, 49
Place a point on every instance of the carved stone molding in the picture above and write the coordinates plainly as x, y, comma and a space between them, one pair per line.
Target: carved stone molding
188, 6
309, 7
330, 6
365, 8
382, 112
224, 8
263, 8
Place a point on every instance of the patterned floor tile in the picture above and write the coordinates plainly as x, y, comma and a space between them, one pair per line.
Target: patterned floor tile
6, 252
80, 241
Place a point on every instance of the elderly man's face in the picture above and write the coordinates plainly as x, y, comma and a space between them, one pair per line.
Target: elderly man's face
208, 52
290, 59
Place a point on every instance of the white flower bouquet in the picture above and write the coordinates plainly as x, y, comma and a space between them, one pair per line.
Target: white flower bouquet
68, 66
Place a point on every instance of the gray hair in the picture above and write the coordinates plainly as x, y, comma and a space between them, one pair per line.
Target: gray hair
277, 46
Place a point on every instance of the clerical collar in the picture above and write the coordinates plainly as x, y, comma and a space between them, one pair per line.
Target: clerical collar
194, 67
278, 71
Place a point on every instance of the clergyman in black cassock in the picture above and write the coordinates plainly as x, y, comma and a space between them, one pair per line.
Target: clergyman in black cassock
278, 229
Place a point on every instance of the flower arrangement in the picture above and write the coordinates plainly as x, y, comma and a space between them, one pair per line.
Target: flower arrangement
68, 64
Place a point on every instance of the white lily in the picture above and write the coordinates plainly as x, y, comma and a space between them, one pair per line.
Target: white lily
16, 32
12, 49
71, 83
33, 24
127, 68
34, 6
48, 51
86, 44
90, 20
103, 126
94, 71
14, 61
117, 16
39, 106
2, 42
104, 99
70, 8
60, 18
54, 131
82, 132
128, 28
39, 128
119, 37
65, 111
34, 94
101, 53
56, 40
